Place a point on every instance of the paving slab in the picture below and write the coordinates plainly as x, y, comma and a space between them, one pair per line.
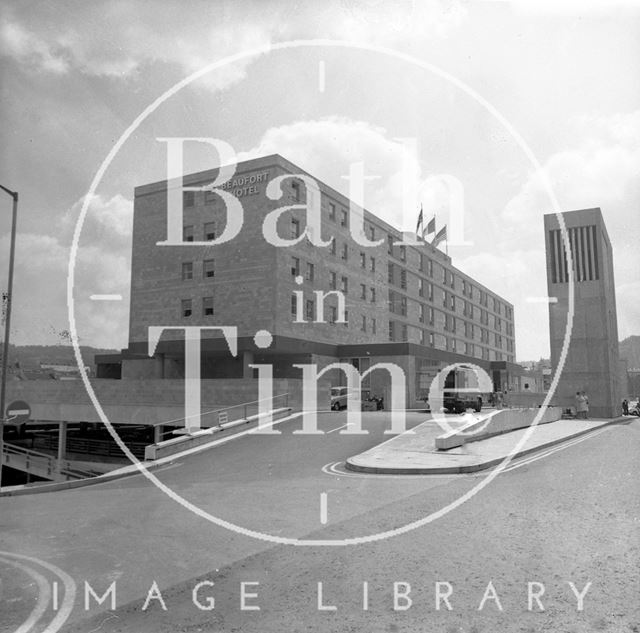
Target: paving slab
414, 452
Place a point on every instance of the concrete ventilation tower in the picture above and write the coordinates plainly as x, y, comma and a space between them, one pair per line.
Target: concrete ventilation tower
592, 363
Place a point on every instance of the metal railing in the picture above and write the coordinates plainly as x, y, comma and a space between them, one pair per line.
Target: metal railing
41, 464
215, 417
87, 446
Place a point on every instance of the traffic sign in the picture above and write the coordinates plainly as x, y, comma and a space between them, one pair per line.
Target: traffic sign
18, 412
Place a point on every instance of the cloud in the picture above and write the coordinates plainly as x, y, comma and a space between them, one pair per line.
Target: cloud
116, 39
103, 267
327, 147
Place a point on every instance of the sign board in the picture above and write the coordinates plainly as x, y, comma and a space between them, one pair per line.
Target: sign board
18, 412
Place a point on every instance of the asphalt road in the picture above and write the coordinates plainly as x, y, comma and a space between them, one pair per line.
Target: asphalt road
569, 516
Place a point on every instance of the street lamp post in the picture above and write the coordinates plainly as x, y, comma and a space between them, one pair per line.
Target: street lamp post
7, 324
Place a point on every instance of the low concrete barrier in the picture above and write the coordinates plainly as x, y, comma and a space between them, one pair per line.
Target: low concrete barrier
495, 423
197, 438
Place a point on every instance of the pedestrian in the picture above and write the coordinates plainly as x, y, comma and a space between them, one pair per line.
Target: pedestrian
581, 406
625, 407
586, 405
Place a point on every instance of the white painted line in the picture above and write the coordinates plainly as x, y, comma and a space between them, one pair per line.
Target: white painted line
528, 460
323, 508
321, 76
106, 297
336, 429
542, 299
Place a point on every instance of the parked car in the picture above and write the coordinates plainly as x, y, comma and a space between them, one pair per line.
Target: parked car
459, 401
634, 407
339, 396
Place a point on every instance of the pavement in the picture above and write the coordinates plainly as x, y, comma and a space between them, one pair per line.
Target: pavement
414, 452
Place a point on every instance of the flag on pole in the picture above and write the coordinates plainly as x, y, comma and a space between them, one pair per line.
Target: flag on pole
420, 221
441, 236
431, 227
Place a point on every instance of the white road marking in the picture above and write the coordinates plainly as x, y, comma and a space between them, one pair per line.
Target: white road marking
546, 453
42, 599
323, 508
106, 297
69, 591
337, 429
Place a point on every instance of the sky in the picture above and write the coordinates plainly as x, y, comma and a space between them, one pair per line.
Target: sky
445, 74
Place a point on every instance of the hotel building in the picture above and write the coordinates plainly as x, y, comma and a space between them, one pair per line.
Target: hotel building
406, 304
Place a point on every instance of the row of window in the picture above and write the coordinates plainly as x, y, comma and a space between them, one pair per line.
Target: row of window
398, 332
367, 323
397, 276
208, 269
206, 304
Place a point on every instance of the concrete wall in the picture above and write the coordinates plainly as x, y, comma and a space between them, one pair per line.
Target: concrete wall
146, 401
496, 423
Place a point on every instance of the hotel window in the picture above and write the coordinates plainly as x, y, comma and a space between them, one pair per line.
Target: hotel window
208, 268
346, 318
421, 287
372, 234
333, 246
345, 252
373, 326
430, 316
431, 339
332, 211
445, 297
188, 198
344, 218
294, 306
430, 267
453, 324
403, 253
391, 273
333, 314
209, 231
363, 260
372, 294
405, 336
464, 288
403, 279
363, 291
210, 196
390, 244
452, 280
421, 265
498, 324
496, 305
187, 270
207, 306
187, 233
445, 276
468, 349
310, 272
392, 331
364, 323
452, 302
295, 227
403, 306
345, 284
421, 312
309, 309
372, 264
430, 291
483, 298
333, 281
295, 266
453, 345
421, 337
186, 307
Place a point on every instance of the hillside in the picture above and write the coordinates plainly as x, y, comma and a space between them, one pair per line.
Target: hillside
30, 356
